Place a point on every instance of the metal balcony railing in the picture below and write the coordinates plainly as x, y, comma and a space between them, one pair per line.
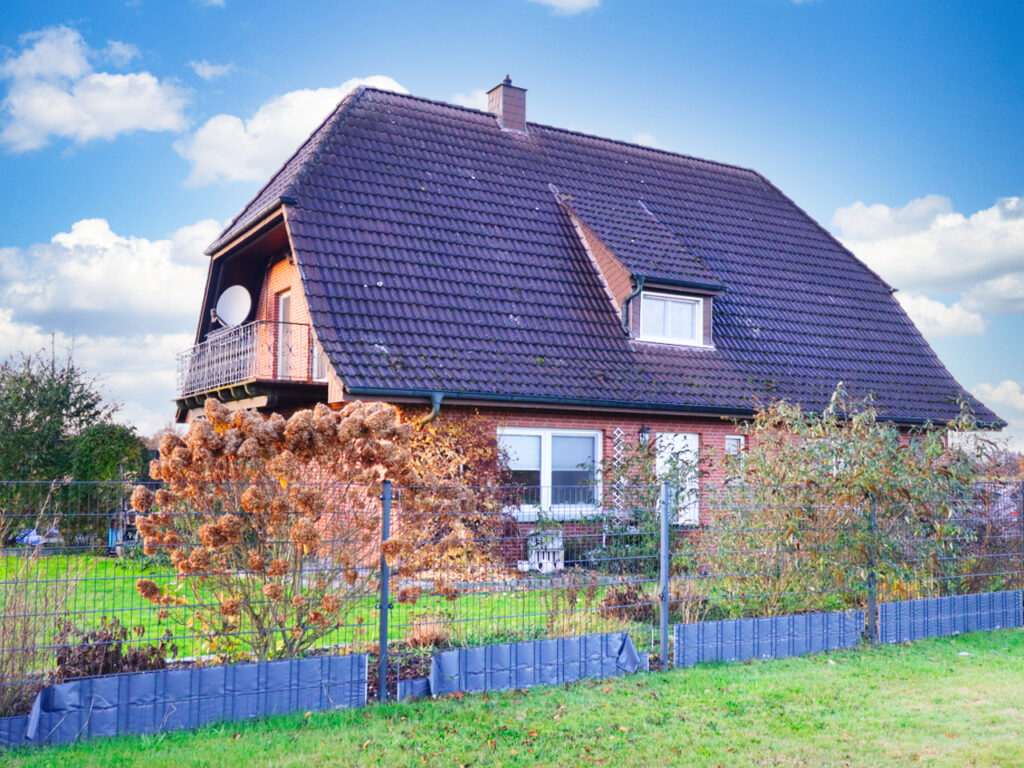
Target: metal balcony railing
259, 351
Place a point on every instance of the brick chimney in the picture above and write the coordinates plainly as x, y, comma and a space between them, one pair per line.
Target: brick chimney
509, 103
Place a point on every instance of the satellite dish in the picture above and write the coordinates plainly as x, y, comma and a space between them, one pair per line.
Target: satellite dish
233, 305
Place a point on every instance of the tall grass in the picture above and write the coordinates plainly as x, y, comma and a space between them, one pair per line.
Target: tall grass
30, 611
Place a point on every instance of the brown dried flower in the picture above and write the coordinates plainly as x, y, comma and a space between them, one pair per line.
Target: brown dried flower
285, 467
305, 535
299, 435
211, 536
307, 500
200, 560
142, 499
409, 595
390, 548
273, 591
278, 512
216, 413
331, 603
180, 561
256, 498
277, 567
231, 527
148, 589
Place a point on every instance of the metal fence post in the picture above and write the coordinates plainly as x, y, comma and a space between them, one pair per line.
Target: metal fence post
663, 567
872, 572
385, 602
1020, 520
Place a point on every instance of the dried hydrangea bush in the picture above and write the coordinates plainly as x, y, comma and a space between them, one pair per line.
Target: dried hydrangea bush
273, 525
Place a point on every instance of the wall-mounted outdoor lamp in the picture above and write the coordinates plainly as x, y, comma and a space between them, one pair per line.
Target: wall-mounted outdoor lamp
645, 435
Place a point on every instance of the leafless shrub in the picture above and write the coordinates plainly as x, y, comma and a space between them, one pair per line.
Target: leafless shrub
31, 608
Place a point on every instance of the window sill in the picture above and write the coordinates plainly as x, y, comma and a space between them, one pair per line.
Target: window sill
671, 343
556, 514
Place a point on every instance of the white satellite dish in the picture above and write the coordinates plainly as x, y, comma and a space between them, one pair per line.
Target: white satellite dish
233, 305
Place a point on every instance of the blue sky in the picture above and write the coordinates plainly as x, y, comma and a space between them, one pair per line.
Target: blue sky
129, 131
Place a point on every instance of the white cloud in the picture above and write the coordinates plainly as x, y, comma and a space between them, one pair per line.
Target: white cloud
208, 71
926, 245
212, 3
126, 304
227, 148
54, 91
999, 296
474, 99
120, 54
91, 280
134, 370
647, 140
55, 52
568, 7
937, 320
1007, 400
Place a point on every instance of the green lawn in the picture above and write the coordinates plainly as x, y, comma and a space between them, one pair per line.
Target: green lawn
950, 702
105, 587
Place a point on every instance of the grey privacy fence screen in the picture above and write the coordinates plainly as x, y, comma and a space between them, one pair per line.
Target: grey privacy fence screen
433, 590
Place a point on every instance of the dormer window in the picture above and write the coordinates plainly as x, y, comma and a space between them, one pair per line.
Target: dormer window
672, 319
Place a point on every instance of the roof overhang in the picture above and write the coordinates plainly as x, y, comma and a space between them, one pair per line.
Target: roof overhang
680, 409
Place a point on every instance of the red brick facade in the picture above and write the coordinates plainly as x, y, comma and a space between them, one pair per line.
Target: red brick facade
283, 276
712, 431
616, 277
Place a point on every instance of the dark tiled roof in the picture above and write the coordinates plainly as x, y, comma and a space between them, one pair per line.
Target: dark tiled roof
435, 257
641, 241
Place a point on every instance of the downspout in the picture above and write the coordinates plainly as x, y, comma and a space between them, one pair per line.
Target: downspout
435, 408
625, 302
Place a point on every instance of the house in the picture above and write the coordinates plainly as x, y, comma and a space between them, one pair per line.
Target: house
573, 290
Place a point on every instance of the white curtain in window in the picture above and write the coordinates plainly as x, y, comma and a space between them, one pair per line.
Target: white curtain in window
677, 454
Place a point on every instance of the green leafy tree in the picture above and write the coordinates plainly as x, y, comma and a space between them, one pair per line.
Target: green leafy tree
819, 500
54, 423
55, 426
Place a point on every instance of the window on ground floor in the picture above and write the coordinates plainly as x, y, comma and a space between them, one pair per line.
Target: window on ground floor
677, 462
553, 468
735, 445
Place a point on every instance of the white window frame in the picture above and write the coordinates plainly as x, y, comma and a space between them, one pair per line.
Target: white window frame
531, 512
698, 325
319, 372
738, 440
284, 334
687, 502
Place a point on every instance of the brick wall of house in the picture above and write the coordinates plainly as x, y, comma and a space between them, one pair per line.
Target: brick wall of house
281, 276
712, 431
615, 276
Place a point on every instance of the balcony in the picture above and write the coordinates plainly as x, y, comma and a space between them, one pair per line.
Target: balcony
258, 359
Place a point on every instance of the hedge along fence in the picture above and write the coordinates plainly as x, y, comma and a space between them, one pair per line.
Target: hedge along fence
631, 568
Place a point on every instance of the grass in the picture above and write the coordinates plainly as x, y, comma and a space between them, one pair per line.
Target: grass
105, 586
948, 702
